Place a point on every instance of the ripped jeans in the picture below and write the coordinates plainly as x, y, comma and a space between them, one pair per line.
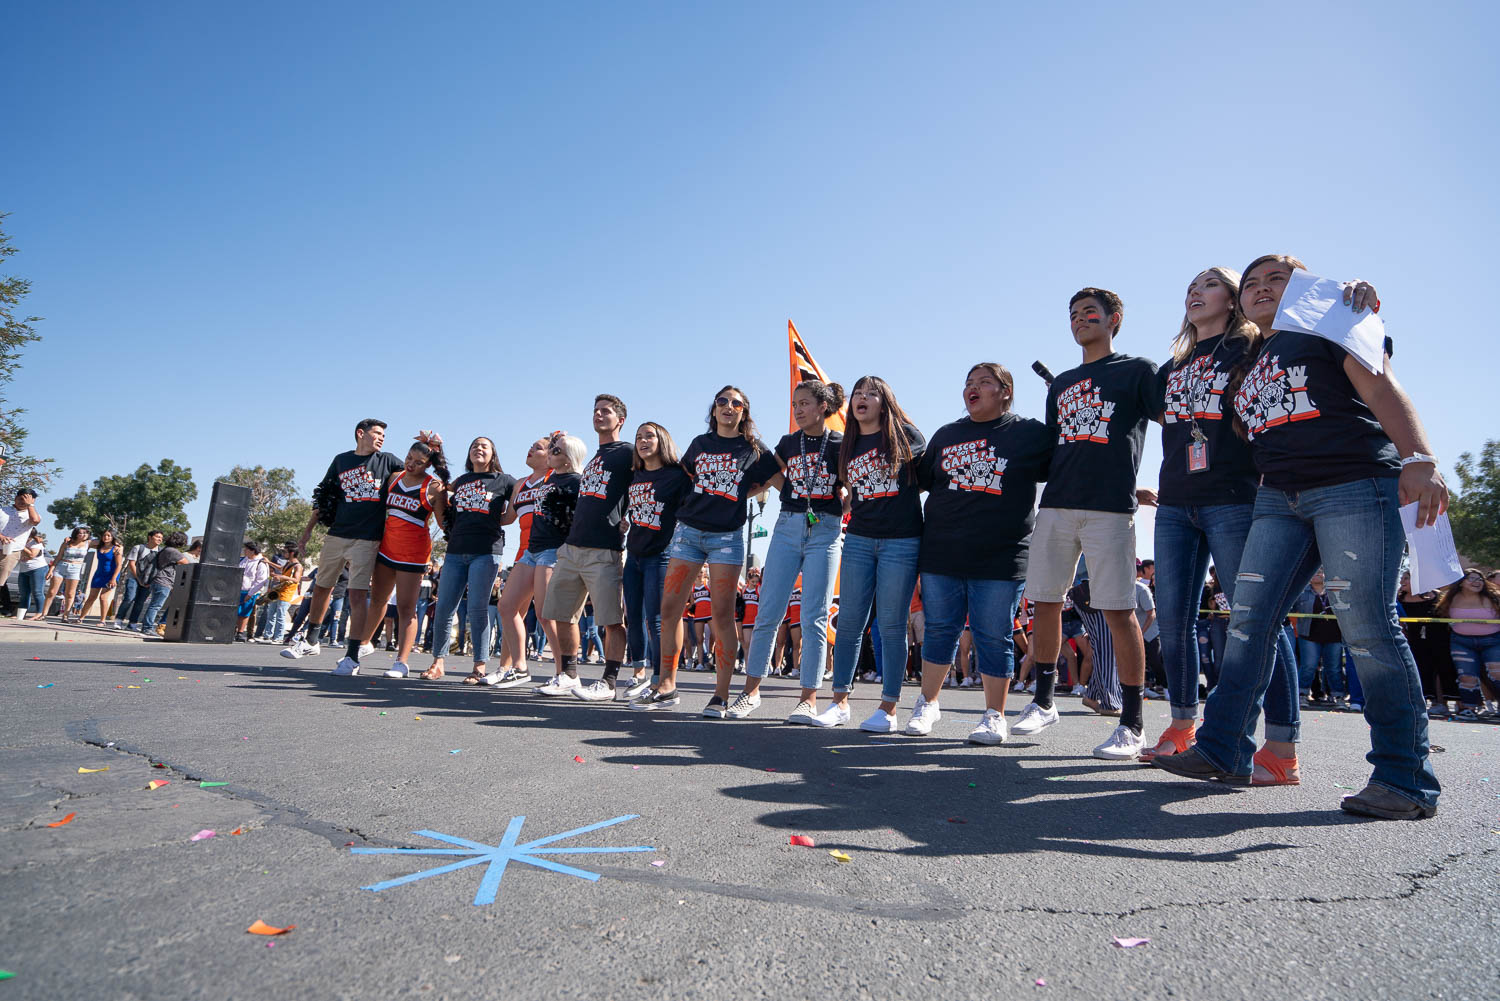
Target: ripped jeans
1353, 530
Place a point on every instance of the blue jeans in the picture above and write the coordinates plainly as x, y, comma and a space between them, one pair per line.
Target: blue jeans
1471, 654
276, 620
1329, 657
878, 574
492, 638
588, 636
159, 593
813, 551
1353, 530
478, 571
331, 621
644, 579
990, 608
34, 589
1185, 539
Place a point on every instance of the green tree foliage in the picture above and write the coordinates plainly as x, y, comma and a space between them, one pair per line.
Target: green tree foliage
132, 505
277, 513
1475, 513
20, 468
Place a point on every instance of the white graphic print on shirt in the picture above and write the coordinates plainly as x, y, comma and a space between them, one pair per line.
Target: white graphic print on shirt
1272, 396
972, 465
1196, 391
472, 497
595, 479
809, 477
717, 474
870, 476
1082, 415
359, 485
645, 509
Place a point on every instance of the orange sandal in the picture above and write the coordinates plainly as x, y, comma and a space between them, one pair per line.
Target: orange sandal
1174, 740
1273, 770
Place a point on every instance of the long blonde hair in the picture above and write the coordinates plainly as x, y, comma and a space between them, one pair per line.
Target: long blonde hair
575, 450
1235, 327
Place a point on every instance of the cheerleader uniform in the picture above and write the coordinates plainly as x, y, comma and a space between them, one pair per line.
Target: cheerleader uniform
531, 490
406, 543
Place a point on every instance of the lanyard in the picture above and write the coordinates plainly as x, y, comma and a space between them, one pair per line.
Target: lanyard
806, 486
1197, 385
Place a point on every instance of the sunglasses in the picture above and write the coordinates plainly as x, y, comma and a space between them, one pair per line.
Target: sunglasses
725, 401
555, 451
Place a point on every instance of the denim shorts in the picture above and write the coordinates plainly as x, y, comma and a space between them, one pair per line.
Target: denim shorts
545, 558
696, 546
1469, 652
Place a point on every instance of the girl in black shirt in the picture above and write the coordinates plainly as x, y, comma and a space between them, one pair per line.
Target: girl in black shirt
655, 494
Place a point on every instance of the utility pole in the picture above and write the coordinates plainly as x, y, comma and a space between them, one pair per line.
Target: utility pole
750, 528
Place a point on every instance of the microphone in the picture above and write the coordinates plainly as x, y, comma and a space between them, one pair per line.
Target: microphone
1043, 371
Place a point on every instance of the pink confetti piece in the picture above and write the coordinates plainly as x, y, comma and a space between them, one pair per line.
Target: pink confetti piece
578, 759
802, 840
203, 835
1130, 943
658, 863
1041, 983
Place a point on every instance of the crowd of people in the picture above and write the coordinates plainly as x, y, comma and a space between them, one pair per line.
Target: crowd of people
1285, 461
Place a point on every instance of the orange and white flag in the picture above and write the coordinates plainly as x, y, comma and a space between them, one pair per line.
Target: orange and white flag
803, 366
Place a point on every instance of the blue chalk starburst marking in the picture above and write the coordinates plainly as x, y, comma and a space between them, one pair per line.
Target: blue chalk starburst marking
501, 855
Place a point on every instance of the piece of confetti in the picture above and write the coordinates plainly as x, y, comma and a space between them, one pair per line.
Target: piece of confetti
1040, 982
89, 771
261, 928
47, 685
1130, 943
211, 785
839, 856
238, 830
66, 820
658, 863
158, 783
957, 820
802, 840
203, 835
578, 759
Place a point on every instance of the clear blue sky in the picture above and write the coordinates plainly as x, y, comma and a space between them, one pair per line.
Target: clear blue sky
249, 227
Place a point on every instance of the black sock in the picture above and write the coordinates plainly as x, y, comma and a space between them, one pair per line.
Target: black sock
1046, 677
310, 633
353, 650
570, 665
1130, 711
611, 670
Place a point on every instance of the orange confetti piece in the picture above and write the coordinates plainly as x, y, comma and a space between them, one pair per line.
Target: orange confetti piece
261, 928
66, 820
88, 771
158, 783
238, 830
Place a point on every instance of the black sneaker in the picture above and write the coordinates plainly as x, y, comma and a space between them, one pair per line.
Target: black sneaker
716, 709
652, 699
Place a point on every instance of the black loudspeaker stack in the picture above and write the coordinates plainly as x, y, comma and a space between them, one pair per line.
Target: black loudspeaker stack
205, 596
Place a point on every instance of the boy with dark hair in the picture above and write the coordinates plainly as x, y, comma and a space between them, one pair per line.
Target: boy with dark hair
1099, 412
350, 499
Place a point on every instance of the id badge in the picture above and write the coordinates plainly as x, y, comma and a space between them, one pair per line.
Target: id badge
1197, 457
812, 517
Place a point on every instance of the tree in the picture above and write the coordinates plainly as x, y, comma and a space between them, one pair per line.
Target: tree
1475, 512
277, 513
20, 468
132, 505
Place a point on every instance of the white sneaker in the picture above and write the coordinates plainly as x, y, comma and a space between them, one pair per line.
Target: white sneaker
922, 717
599, 691
836, 714
991, 728
628, 690
1034, 719
1078, 690
560, 685
802, 715
507, 679
301, 649
1123, 745
347, 667
744, 705
365, 649
880, 721
966, 683
398, 670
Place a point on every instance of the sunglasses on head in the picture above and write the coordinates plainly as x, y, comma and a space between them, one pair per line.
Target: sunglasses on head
725, 401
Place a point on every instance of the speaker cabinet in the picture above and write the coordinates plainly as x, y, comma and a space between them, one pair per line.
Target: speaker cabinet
228, 517
203, 604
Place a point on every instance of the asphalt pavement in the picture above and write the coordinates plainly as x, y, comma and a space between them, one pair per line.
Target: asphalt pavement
972, 872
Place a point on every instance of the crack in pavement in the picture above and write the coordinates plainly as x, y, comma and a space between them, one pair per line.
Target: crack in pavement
87, 732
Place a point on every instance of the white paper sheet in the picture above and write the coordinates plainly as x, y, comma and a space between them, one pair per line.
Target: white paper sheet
1434, 557
1316, 305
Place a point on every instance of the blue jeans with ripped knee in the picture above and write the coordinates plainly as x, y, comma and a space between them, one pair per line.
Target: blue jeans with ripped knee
1353, 530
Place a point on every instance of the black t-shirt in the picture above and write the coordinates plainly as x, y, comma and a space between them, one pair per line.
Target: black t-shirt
653, 501
1308, 427
478, 501
722, 471
167, 559
1193, 393
812, 472
884, 503
981, 491
598, 521
359, 483
1098, 414
1323, 630
555, 502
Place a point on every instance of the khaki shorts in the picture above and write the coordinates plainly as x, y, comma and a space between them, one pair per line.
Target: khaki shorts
357, 554
586, 572
1107, 541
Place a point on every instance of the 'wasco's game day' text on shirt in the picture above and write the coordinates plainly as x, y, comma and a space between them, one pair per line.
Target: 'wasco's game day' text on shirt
1098, 414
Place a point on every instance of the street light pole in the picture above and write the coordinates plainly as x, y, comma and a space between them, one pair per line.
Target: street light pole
750, 529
